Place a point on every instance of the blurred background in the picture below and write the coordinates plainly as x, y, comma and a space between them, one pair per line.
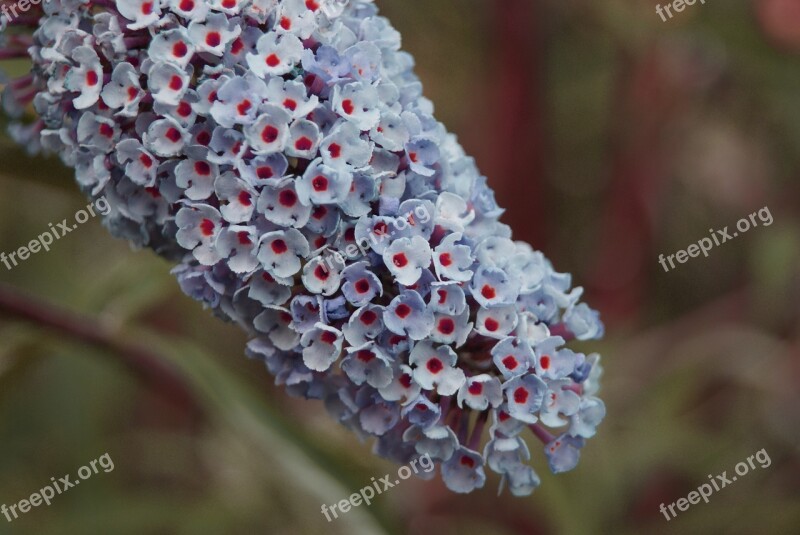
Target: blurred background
611, 137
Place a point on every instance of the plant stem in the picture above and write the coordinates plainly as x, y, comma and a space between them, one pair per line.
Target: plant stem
147, 366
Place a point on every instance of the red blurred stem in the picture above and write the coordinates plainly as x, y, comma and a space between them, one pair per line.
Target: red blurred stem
512, 155
541, 434
475, 438
645, 101
147, 366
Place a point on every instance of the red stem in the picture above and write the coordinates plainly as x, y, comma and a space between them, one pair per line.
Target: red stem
149, 367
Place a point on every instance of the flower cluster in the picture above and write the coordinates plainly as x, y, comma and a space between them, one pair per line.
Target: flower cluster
245, 138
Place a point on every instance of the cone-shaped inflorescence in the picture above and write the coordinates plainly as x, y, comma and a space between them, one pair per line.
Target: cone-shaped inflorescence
282, 152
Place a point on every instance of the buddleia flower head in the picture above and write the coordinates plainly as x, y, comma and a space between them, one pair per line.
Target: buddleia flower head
282, 153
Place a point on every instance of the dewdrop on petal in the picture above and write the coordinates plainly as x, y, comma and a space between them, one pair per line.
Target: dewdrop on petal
253, 140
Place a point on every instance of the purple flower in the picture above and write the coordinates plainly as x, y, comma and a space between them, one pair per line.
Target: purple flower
283, 151
406, 259
525, 395
434, 368
280, 204
513, 357
358, 103
421, 412
322, 345
480, 391
280, 252
237, 244
198, 227
124, 91
361, 285
321, 184
408, 315
276, 323
583, 322
276, 54
365, 325
463, 472
563, 453
368, 364
214, 34
453, 261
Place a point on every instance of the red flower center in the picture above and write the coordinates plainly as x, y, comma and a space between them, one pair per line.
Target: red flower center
303, 144
319, 212
243, 107
202, 168
204, 138
106, 130
287, 198
328, 337
244, 238
213, 39
446, 326
180, 49
175, 83
279, 246
510, 362
365, 355
362, 286
380, 228
488, 292
207, 227
435, 365
184, 109
321, 273
173, 134
245, 199
269, 134
319, 183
